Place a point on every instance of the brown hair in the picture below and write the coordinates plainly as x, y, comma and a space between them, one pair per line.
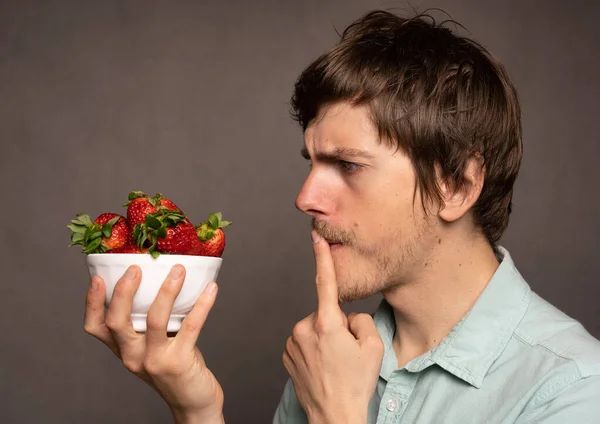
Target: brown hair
442, 98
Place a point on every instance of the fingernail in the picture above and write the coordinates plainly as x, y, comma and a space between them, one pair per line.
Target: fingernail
315, 237
131, 273
211, 288
94, 284
175, 273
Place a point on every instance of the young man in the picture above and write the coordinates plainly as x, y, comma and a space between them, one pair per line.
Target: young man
414, 138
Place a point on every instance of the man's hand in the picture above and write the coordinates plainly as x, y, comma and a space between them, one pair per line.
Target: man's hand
173, 366
333, 360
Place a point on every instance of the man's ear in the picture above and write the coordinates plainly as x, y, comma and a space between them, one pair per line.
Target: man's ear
457, 200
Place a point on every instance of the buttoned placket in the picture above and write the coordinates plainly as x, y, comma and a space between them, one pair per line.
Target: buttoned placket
399, 387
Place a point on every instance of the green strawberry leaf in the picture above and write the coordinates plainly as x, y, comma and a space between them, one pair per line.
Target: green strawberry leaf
152, 222
106, 230
155, 200
225, 224
77, 228
87, 236
76, 238
155, 254
85, 219
96, 235
138, 234
143, 239
162, 231
92, 246
206, 234
213, 219
135, 194
113, 221
137, 231
154, 240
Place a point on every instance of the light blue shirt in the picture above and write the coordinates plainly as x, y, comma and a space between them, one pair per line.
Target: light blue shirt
514, 358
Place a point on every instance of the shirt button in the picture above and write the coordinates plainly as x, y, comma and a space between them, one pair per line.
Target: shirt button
391, 405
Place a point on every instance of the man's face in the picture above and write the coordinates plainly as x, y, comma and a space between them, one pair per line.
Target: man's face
360, 195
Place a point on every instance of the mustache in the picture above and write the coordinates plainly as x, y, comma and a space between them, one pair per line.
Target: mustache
331, 234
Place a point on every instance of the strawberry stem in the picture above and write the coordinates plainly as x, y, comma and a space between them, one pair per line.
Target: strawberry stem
206, 229
155, 226
134, 195
89, 235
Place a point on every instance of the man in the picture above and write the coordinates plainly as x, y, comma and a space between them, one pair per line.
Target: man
414, 138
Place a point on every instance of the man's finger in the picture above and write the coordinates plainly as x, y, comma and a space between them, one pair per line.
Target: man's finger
118, 316
160, 310
362, 327
195, 319
327, 290
93, 321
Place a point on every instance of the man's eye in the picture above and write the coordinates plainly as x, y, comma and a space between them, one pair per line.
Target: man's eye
349, 167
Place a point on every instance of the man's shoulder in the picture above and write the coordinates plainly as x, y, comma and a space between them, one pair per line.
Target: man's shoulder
550, 332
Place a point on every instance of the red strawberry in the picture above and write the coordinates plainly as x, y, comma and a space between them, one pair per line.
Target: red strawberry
196, 248
108, 231
129, 248
212, 236
140, 205
165, 231
179, 239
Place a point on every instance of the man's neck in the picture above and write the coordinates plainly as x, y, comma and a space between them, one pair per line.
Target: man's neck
427, 308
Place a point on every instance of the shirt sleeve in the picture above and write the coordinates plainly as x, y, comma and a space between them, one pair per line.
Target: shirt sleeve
578, 403
289, 410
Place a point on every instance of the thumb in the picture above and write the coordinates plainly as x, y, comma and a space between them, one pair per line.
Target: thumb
362, 327
346, 320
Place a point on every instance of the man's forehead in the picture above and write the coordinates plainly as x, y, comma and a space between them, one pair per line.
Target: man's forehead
341, 126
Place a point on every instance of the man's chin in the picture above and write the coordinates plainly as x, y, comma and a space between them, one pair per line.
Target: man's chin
355, 293
348, 266
345, 299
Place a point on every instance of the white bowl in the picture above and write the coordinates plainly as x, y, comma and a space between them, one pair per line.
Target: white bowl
200, 270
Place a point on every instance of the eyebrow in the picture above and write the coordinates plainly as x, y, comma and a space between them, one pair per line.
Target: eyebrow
339, 153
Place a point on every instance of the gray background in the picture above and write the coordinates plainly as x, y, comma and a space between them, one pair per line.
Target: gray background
191, 98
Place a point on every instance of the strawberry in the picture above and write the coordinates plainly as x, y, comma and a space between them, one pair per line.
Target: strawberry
129, 248
212, 236
166, 231
179, 239
108, 231
196, 248
140, 205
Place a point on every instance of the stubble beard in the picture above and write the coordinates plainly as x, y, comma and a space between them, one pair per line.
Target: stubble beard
371, 269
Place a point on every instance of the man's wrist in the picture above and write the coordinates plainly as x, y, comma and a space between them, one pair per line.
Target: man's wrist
198, 417
357, 418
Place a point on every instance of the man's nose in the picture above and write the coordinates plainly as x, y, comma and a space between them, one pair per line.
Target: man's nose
312, 198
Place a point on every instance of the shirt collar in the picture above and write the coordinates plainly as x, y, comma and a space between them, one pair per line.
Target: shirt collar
481, 335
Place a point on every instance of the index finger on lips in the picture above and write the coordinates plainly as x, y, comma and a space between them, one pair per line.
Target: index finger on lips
325, 279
